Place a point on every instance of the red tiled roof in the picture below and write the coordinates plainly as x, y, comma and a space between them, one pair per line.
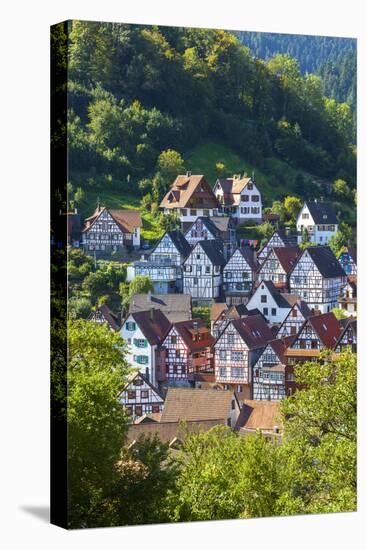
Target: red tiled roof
327, 327
287, 256
184, 188
194, 334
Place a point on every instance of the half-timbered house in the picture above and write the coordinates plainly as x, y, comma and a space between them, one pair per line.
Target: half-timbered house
270, 302
269, 371
318, 278
164, 264
277, 266
144, 332
240, 198
280, 237
204, 228
111, 230
237, 349
186, 353
190, 196
238, 276
318, 220
228, 314
348, 338
294, 320
348, 260
104, 315
347, 301
202, 271
319, 332
140, 397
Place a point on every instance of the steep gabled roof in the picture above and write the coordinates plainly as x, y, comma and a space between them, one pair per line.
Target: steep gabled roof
223, 223
275, 293
350, 323
213, 248
194, 334
325, 261
288, 239
206, 221
254, 331
133, 376
327, 327
176, 307
127, 220
322, 212
184, 187
248, 254
112, 319
287, 256
180, 242
153, 324
197, 404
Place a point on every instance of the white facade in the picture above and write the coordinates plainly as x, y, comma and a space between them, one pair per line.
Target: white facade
140, 354
318, 233
263, 300
201, 278
292, 323
318, 292
247, 204
238, 275
269, 376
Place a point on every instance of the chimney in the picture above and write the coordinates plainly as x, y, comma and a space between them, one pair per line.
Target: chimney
76, 210
287, 231
149, 297
188, 174
152, 314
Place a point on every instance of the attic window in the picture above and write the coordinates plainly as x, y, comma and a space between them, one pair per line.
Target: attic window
325, 217
325, 327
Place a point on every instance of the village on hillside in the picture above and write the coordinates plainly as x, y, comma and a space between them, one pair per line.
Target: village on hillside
271, 306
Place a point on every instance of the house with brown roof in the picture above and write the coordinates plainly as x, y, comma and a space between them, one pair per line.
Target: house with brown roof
237, 349
144, 332
190, 196
348, 337
104, 314
239, 198
280, 237
186, 354
277, 266
347, 300
263, 416
197, 405
109, 231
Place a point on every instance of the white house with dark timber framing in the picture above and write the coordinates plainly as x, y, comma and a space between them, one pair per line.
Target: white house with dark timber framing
269, 372
277, 266
318, 278
319, 220
237, 349
348, 337
144, 333
111, 231
239, 275
186, 352
202, 271
204, 228
104, 315
270, 302
280, 237
140, 397
164, 264
294, 320
240, 198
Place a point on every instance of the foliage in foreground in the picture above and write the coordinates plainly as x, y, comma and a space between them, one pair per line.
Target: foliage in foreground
225, 476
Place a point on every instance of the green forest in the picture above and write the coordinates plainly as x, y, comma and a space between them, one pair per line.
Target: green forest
146, 102
333, 59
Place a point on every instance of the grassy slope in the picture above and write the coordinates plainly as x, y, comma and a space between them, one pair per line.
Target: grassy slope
203, 158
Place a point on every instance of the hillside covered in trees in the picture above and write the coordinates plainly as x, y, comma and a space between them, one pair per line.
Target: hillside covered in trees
137, 91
